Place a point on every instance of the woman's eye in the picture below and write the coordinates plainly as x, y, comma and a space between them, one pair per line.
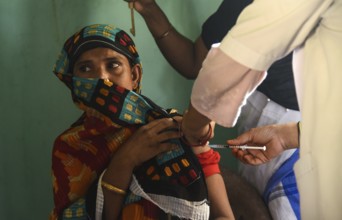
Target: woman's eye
84, 68
113, 65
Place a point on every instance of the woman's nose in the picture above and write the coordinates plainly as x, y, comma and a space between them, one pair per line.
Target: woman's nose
102, 73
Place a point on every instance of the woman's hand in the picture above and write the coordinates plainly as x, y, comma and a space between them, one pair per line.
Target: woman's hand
150, 140
276, 138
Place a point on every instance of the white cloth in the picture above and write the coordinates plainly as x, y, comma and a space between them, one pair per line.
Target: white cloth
259, 111
266, 31
174, 206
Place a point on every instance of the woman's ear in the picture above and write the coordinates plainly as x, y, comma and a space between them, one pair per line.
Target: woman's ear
136, 75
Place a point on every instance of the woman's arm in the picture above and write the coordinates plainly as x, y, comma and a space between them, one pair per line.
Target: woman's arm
219, 204
145, 143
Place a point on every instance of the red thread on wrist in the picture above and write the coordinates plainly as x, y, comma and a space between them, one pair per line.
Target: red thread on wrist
209, 161
201, 142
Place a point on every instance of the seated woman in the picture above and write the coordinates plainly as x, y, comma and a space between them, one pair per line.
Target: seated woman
123, 158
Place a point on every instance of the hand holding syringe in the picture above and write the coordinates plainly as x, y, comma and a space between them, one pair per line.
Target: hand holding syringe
276, 137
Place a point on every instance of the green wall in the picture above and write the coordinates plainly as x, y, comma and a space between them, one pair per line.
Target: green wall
35, 106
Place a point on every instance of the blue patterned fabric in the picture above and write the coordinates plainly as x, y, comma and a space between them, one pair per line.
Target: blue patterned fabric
283, 184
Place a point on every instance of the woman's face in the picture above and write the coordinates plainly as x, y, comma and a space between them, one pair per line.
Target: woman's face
105, 63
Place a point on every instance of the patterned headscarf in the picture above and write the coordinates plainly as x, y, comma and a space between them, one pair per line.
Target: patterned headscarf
91, 37
172, 182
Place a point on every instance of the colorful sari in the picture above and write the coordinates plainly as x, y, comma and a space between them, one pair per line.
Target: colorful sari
172, 182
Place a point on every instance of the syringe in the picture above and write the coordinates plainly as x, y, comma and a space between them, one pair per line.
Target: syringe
242, 147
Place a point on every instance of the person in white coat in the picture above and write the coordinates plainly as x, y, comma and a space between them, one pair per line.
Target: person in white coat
266, 31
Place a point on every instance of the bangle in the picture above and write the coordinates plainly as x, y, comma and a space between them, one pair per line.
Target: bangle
165, 34
298, 127
201, 142
112, 188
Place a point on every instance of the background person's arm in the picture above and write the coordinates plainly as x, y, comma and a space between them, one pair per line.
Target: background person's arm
183, 54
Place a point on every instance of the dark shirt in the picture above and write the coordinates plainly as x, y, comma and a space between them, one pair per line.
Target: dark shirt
279, 83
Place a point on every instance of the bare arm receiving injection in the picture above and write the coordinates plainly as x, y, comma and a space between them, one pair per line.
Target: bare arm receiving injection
277, 138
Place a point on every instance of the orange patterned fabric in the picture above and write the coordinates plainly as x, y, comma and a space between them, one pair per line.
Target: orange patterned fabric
79, 154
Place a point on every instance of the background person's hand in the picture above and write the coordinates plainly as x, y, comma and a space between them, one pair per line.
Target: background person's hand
276, 138
143, 6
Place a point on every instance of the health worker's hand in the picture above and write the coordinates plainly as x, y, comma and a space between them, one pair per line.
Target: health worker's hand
277, 138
